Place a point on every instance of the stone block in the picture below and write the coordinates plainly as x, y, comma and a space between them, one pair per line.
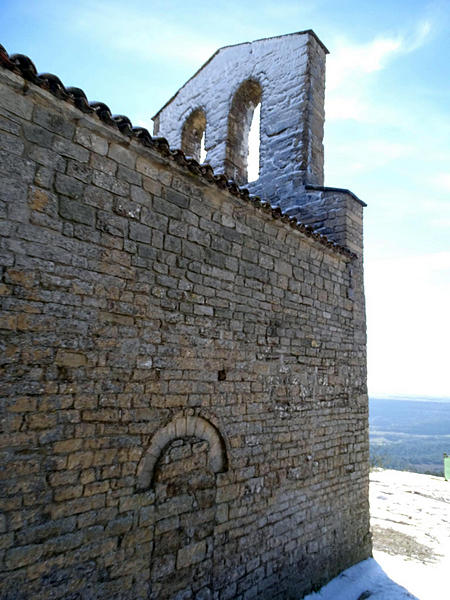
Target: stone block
176, 198
68, 186
119, 526
122, 155
163, 566
110, 183
67, 493
15, 103
92, 141
23, 556
79, 171
80, 460
16, 169
11, 143
75, 211
54, 121
68, 149
70, 359
191, 555
228, 493
140, 233
129, 175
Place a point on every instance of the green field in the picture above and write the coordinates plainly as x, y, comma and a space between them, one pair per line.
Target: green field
409, 434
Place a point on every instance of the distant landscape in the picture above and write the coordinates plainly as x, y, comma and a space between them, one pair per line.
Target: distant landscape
409, 434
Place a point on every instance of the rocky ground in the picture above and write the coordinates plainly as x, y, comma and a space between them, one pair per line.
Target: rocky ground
410, 516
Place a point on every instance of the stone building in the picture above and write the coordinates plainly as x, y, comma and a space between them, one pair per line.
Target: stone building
184, 404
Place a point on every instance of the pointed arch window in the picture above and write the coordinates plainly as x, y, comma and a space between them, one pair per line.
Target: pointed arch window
193, 135
237, 162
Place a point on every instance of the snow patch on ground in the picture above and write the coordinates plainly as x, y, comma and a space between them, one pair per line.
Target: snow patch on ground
410, 517
365, 580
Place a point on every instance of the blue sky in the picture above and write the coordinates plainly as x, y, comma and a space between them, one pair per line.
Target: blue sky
386, 137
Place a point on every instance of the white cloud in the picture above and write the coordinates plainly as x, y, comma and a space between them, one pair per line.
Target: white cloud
351, 60
350, 67
340, 106
441, 181
408, 327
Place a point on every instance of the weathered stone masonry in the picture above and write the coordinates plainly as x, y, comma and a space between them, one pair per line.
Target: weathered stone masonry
183, 380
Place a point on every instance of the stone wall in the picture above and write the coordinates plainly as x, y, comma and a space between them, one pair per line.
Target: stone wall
183, 376
333, 212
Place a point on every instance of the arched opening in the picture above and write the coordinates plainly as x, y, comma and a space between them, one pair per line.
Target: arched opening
240, 119
193, 135
253, 146
202, 148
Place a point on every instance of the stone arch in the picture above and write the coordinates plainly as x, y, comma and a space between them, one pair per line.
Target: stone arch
181, 427
192, 133
245, 100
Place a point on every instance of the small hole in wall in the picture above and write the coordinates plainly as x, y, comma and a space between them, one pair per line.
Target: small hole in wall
221, 375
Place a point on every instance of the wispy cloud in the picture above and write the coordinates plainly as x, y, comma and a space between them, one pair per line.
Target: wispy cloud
139, 33
350, 66
144, 36
351, 60
411, 41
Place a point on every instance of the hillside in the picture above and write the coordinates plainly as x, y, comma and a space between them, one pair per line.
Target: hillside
410, 516
409, 434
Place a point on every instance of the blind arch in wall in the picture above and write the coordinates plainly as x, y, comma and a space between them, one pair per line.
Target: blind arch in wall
188, 426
